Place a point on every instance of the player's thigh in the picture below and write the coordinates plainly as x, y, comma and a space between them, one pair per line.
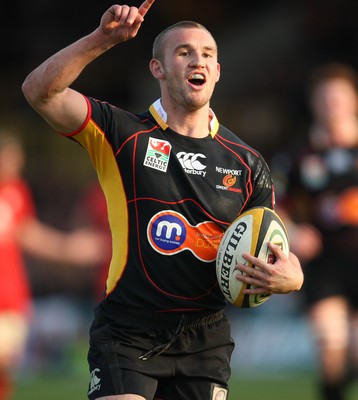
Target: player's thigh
330, 319
13, 336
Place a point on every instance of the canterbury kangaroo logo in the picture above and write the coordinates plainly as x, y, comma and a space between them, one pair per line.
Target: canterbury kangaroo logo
192, 163
94, 381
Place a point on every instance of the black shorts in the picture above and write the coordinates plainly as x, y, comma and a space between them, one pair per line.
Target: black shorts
160, 356
331, 275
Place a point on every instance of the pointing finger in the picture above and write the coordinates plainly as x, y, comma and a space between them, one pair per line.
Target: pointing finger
144, 8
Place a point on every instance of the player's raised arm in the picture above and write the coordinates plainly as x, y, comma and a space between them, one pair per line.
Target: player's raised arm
47, 88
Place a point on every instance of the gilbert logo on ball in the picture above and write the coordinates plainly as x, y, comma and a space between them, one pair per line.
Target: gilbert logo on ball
249, 233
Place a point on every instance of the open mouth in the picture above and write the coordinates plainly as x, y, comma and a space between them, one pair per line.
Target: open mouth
197, 79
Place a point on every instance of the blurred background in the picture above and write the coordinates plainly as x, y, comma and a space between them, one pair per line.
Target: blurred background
266, 50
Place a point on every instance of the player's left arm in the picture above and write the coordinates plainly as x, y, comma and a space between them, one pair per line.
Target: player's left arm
284, 276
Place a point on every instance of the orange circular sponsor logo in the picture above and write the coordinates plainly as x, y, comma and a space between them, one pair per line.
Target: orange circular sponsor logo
229, 180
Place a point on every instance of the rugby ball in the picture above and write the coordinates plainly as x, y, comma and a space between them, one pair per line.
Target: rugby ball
249, 233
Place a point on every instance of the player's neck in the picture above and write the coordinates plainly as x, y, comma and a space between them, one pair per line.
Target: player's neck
195, 123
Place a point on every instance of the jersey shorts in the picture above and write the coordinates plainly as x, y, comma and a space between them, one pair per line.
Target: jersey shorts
160, 356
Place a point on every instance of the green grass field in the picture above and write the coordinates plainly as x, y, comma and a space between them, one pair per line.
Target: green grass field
74, 387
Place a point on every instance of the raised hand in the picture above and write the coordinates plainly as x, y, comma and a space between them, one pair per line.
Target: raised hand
122, 22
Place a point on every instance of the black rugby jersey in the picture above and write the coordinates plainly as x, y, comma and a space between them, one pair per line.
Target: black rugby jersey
323, 191
169, 198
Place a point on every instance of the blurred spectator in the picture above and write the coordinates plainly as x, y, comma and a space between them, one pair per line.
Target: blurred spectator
320, 207
20, 231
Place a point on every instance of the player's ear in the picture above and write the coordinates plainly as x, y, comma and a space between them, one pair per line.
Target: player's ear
156, 68
218, 68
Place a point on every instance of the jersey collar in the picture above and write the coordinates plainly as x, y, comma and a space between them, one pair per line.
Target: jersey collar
159, 114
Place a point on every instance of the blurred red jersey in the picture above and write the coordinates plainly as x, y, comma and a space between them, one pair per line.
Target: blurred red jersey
16, 205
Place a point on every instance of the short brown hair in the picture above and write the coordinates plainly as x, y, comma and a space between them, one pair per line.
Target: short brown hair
157, 51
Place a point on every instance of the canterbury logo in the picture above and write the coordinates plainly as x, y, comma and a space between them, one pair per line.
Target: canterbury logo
192, 163
94, 381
